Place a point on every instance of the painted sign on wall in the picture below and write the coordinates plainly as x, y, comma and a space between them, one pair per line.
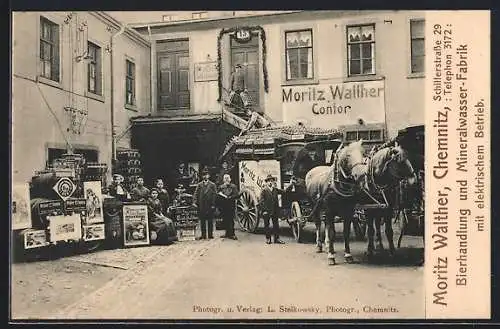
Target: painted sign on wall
205, 71
334, 104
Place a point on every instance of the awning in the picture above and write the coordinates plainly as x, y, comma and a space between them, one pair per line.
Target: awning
191, 118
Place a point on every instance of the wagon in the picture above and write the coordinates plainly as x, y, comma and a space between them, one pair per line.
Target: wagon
282, 152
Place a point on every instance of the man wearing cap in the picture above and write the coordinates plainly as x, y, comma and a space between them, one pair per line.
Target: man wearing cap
204, 199
117, 190
270, 207
140, 192
238, 85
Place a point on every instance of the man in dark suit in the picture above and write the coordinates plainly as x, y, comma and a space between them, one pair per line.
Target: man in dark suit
204, 199
270, 207
228, 192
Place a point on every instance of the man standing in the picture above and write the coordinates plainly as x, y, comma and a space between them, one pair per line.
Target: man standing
270, 208
140, 192
238, 86
228, 193
204, 199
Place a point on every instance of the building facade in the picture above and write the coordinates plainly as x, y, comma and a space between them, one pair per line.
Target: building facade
361, 71
77, 79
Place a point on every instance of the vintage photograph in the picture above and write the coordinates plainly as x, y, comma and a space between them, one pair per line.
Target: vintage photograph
284, 155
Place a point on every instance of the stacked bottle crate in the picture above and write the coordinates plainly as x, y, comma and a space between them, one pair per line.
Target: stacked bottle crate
129, 166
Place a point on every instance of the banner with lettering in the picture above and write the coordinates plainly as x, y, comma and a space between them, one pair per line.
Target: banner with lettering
253, 173
334, 104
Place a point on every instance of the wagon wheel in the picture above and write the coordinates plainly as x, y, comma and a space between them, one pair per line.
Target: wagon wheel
247, 211
296, 221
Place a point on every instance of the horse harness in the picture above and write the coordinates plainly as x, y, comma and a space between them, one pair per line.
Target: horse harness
343, 187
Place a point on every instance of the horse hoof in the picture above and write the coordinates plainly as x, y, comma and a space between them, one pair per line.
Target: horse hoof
349, 258
319, 249
331, 261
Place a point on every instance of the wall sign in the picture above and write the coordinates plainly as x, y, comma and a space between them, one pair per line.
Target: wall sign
93, 198
135, 225
64, 228
336, 104
205, 71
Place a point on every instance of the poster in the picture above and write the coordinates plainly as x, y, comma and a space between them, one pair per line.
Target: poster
35, 239
93, 197
194, 173
135, 225
93, 232
252, 174
65, 228
21, 212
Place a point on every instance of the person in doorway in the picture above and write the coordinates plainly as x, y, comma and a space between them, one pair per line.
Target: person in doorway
140, 193
117, 190
163, 195
270, 209
238, 85
204, 199
228, 193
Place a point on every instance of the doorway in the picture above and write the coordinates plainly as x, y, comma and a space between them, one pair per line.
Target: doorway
247, 54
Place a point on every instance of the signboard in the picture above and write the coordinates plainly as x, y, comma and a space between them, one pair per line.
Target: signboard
185, 217
335, 104
93, 232
35, 239
93, 198
253, 173
75, 206
49, 207
135, 225
21, 212
64, 188
243, 35
65, 228
205, 71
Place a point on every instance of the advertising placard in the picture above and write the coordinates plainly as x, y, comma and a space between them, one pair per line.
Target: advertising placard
64, 228
135, 225
35, 239
93, 232
21, 212
93, 197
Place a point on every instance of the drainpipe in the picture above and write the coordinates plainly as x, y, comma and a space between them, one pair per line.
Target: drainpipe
152, 69
113, 132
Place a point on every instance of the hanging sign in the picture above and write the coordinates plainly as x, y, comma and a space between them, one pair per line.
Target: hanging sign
243, 35
64, 188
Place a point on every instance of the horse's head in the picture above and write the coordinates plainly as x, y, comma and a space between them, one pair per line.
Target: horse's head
399, 165
351, 157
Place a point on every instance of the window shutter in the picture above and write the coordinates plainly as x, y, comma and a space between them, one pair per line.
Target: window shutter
55, 53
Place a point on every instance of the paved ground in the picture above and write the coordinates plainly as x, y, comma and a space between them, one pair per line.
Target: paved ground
221, 279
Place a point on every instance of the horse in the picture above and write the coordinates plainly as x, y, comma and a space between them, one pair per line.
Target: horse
332, 189
379, 179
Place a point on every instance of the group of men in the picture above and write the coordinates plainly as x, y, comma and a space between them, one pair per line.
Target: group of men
208, 196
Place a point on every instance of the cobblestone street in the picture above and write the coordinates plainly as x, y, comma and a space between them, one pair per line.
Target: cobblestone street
220, 279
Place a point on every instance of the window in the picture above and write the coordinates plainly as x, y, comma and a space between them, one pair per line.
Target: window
368, 135
130, 83
173, 67
199, 15
94, 69
299, 55
417, 30
49, 49
361, 50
